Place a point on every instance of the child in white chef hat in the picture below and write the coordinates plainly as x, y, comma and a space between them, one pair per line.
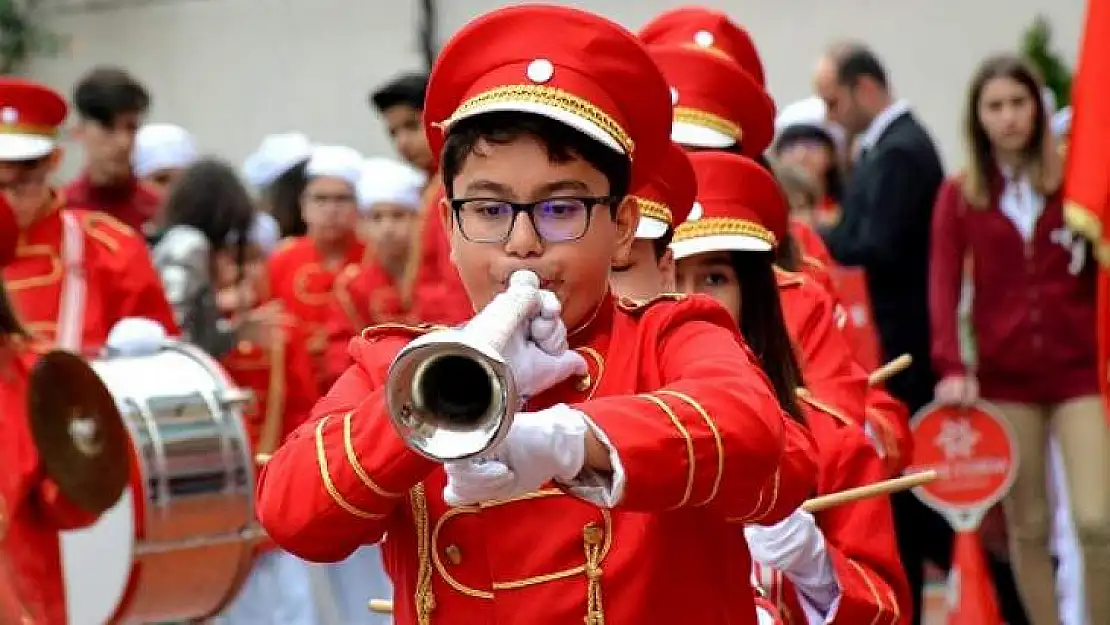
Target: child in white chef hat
389, 199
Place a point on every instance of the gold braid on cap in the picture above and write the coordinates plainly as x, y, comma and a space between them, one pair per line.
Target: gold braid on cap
655, 210
723, 226
46, 132
714, 50
547, 96
695, 117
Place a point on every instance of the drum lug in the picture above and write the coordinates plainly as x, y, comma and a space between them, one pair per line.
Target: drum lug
235, 398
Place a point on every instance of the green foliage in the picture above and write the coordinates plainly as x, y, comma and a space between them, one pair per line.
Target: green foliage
21, 37
1037, 48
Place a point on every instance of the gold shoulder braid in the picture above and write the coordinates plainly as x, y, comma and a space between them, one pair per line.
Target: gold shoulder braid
635, 307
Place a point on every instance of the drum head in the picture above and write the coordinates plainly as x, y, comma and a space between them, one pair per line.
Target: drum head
78, 431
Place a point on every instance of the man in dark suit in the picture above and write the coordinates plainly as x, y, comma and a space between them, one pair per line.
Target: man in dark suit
887, 208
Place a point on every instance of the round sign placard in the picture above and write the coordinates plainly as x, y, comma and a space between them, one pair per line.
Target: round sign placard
973, 451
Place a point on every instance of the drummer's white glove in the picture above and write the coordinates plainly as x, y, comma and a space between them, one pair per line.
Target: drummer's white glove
135, 336
537, 352
541, 447
796, 547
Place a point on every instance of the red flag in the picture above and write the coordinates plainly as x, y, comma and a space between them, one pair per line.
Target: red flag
1087, 190
972, 599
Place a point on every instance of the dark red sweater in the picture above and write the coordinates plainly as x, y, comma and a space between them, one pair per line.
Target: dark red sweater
133, 202
1034, 322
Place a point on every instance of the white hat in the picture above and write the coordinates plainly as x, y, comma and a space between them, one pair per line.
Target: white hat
264, 232
162, 146
385, 180
335, 161
811, 112
1061, 122
276, 155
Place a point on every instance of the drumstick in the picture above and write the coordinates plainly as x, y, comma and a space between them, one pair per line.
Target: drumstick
261, 459
884, 487
381, 606
885, 372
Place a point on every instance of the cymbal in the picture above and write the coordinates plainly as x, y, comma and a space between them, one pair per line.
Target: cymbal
78, 431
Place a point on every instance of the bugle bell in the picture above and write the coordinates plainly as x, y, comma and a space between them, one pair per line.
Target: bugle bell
451, 394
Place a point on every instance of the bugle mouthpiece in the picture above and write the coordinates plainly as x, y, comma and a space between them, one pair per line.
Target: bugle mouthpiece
523, 277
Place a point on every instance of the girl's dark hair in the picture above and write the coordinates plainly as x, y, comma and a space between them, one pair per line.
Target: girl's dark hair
1042, 162
210, 198
284, 199
787, 254
563, 144
763, 327
9, 321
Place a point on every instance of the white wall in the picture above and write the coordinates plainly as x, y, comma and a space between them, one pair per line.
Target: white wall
233, 70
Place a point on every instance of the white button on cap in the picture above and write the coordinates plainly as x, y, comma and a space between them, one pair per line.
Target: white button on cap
674, 96
704, 38
695, 212
540, 71
9, 115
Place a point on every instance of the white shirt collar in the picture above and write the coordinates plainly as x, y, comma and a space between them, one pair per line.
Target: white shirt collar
881, 122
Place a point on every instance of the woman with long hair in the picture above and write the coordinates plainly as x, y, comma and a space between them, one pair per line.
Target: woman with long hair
834, 561
208, 212
1033, 322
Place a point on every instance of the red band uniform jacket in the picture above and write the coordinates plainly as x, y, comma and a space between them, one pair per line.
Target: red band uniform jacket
109, 264
667, 386
859, 536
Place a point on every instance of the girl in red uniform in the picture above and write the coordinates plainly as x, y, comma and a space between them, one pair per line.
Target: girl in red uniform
840, 565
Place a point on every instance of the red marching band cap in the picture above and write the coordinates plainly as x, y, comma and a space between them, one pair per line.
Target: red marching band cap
740, 208
30, 116
667, 197
716, 103
569, 65
707, 30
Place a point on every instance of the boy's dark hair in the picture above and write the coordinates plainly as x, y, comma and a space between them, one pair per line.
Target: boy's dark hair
406, 89
660, 245
855, 61
210, 198
105, 93
563, 144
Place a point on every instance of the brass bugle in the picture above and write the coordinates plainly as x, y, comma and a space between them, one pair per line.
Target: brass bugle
451, 394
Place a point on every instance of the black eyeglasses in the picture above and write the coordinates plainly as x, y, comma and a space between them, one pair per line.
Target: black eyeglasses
555, 220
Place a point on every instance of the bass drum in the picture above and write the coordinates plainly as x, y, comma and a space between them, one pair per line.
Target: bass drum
180, 541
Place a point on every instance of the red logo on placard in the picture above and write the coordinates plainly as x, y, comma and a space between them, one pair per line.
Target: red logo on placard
971, 449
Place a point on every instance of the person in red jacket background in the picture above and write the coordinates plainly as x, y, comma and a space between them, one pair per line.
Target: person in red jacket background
75, 272
111, 106
303, 270
400, 102
32, 510
1033, 319
389, 197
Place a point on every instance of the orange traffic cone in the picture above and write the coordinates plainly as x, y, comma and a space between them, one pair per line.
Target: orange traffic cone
971, 595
